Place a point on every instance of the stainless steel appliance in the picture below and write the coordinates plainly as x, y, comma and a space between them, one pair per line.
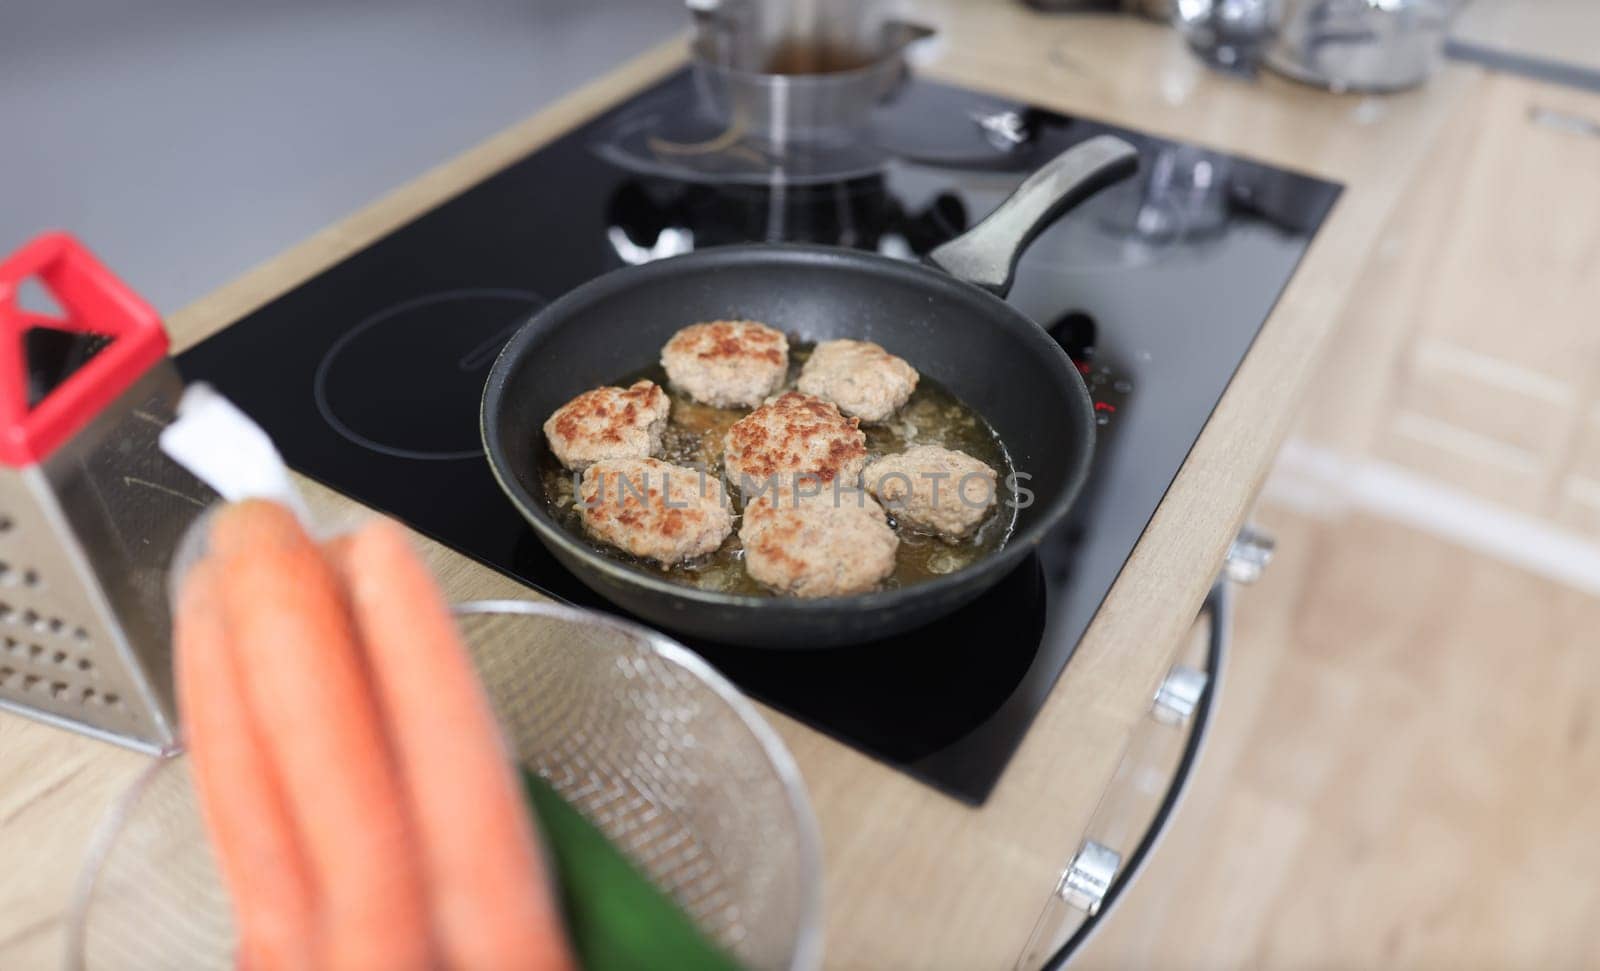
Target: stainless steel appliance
1361, 45
1229, 34
798, 70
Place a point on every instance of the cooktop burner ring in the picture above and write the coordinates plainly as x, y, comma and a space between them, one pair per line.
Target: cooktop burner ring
477, 357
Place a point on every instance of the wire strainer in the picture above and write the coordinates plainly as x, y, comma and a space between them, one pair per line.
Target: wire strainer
634, 730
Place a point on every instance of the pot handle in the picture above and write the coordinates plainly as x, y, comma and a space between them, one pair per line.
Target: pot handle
986, 255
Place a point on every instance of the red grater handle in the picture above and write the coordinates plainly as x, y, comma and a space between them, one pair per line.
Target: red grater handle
95, 302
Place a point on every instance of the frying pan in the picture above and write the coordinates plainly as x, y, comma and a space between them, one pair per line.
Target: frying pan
946, 318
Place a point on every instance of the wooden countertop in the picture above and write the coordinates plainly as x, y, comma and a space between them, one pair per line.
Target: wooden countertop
914, 879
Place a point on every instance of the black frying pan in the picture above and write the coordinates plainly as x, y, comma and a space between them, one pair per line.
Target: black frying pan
947, 319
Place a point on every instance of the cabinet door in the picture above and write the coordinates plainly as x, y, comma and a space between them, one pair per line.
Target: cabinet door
1494, 391
1149, 783
1485, 293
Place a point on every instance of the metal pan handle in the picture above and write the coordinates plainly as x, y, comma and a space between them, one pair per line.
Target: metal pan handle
986, 255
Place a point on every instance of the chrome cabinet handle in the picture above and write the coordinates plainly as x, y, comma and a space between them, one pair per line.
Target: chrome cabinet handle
1179, 695
1087, 879
1565, 121
1249, 555
1133, 813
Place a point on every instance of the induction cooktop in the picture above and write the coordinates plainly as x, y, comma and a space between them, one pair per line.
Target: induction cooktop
369, 375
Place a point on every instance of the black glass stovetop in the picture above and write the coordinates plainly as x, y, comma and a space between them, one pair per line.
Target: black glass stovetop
369, 375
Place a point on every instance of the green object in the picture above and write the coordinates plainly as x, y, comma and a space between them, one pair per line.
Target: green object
616, 918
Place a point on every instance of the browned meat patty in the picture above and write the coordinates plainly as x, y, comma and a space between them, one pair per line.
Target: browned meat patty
653, 509
609, 423
860, 377
793, 436
825, 544
727, 363
934, 490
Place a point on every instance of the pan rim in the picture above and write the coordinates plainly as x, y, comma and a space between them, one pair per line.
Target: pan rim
530, 506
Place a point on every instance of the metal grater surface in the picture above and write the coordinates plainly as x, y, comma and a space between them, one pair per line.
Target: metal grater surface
86, 537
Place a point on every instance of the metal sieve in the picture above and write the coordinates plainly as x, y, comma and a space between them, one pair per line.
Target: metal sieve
635, 731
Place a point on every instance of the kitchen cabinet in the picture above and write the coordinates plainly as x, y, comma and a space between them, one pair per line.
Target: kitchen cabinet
1471, 353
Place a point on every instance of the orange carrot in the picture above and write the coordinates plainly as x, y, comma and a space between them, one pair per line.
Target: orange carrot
241, 799
307, 684
493, 906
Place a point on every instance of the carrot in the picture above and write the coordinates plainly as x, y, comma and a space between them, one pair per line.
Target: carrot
240, 796
493, 905
306, 682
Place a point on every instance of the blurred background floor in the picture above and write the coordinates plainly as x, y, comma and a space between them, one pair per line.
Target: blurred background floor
1401, 771
187, 141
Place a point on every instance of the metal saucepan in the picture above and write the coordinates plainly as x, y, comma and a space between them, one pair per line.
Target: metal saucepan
786, 98
947, 319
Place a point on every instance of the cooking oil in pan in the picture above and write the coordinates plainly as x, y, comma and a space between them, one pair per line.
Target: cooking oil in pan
933, 416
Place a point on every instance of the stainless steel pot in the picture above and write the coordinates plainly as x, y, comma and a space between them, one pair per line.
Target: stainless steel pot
1361, 45
1228, 34
798, 71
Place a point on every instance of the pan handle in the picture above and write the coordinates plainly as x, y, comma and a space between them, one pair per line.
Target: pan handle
986, 255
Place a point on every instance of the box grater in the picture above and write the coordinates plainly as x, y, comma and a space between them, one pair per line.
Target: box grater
90, 509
